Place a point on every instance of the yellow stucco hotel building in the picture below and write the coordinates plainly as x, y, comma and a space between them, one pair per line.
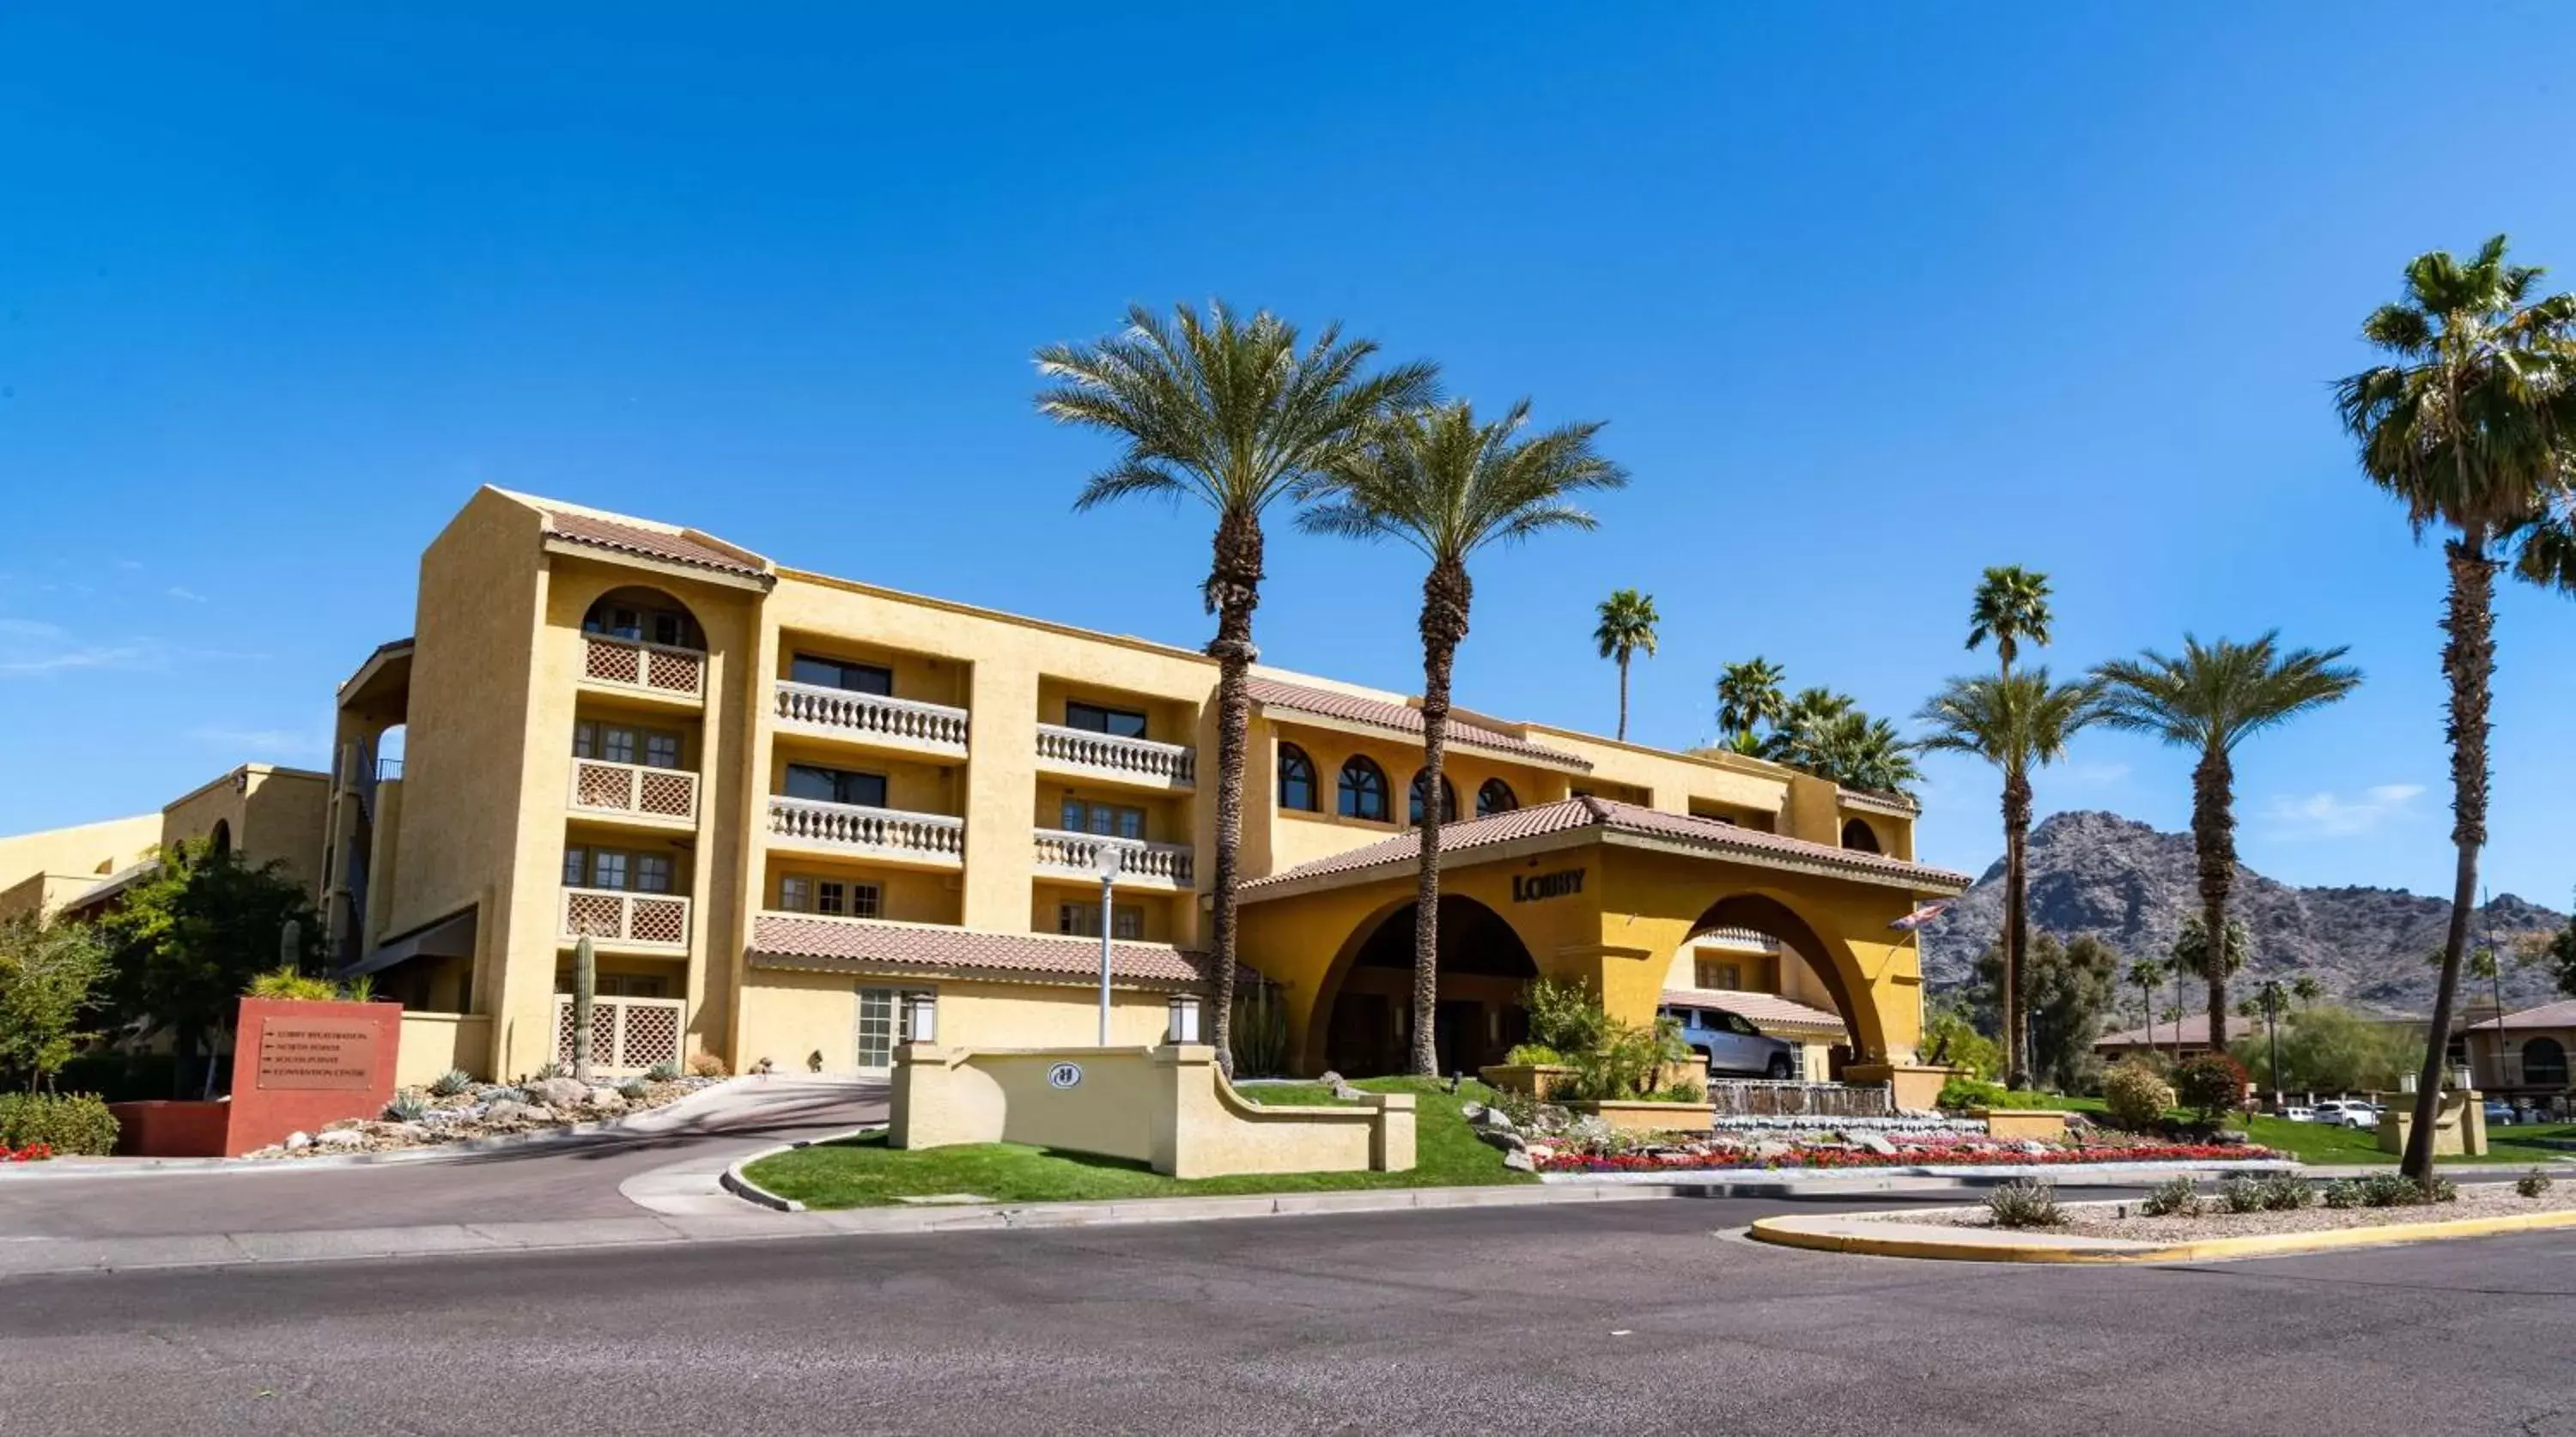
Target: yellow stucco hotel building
802, 818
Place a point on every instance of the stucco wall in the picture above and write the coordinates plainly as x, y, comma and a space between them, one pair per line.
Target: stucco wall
789, 1015
92, 850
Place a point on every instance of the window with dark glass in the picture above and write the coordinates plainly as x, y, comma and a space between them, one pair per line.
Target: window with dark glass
1296, 779
1363, 791
1099, 718
1110, 820
1421, 792
841, 674
1082, 920
1495, 796
836, 785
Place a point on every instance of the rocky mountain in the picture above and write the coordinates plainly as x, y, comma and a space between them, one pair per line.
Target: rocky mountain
2132, 885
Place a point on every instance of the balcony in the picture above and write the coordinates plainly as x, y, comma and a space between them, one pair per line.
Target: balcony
634, 793
874, 720
1107, 758
1745, 938
636, 669
928, 840
1143, 865
618, 921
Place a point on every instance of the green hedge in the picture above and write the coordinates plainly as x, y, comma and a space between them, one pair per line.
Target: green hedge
66, 1122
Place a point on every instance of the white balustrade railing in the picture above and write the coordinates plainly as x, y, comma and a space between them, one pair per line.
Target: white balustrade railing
640, 920
600, 786
1140, 758
871, 715
634, 664
1741, 938
1064, 852
875, 830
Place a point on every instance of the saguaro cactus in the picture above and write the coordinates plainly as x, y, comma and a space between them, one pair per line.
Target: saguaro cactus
585, 990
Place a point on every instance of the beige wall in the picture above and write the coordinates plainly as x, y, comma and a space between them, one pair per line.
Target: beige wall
787, 1016
92, 850
432, 1043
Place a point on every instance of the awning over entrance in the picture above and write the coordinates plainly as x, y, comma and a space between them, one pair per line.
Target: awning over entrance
861, 945
450, 937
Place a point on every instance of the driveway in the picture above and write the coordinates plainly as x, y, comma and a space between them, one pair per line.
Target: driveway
578, 1180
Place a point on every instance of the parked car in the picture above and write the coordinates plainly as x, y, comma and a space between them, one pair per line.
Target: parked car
2297, 1113
2346, 1113
2500, 1114
1731, 1043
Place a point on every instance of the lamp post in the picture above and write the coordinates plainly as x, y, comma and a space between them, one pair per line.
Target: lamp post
2272, 995
1106, 865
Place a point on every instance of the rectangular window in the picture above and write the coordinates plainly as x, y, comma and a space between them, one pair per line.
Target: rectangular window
662, 750
1098, 718
585, 739
1110, 820
1082, 920
839, 674
1720, 973
796, 895
652, 873
831, 896
608, 870
576, 868
866, 900
670, 628
617, 744
834, 785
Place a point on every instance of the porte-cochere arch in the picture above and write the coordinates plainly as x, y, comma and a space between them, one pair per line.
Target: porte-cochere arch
1832, 961
1364, 1005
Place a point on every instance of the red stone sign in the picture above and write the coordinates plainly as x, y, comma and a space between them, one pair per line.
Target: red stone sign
313, 1055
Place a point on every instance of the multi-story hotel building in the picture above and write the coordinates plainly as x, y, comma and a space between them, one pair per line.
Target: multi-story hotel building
800, 817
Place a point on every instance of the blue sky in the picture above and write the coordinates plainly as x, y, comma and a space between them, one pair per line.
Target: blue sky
1871, 298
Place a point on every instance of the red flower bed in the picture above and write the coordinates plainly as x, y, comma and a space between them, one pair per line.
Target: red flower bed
1930, 1154
31, 1153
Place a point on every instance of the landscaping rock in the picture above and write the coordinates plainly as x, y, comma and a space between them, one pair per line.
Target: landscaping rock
342, 1138
558, 1092
1472, 1112
1553, 1118
1518, 1160
506, 1113
298, 1142
1874, 1143
607, 1100
1504, 1138
343, 1124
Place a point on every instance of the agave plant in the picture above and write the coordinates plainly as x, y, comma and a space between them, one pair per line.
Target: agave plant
407, 1106
451, 1083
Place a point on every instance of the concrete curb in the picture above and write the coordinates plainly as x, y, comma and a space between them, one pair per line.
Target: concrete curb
1770, 1182
571, 1135
734, 1182
1939, 1242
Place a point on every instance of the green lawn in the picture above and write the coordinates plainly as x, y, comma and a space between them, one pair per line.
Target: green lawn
864, 1172
2324, 1146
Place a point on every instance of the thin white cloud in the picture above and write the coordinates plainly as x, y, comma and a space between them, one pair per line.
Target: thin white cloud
31, 648
177, 591
264, 742
2331, 815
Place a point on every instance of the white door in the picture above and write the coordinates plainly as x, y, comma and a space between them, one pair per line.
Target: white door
876, 1031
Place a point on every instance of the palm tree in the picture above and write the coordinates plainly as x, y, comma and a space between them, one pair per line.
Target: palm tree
1857, 751
2016, 722
2209, 699
1748, 695
2468, 425
1800, 723
1627, 627
1231, 412
2010, 606
2191, 956
2147, 973
1449, 485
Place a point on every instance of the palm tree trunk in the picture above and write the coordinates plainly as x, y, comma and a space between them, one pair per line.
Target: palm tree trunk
2017, 803
1234, 591
2468, 661
1445, 595
2213, 839
1623, 696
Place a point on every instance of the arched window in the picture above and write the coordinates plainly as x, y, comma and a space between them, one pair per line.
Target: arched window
221, 840
2544, 1063
1296, 779
1421, 787
1363, 790
1495, 796
647, 615
1859, 837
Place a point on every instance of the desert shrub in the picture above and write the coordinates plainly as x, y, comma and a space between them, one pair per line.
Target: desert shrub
2241, 1194
2286, 1192
2532, 1184
1685, 1091
2136, 1096
2210, 1084
407, 1106
1970, 1093
663, 1072
1951, 1039
704, 1064
1533, 1055
451, 1083
2440, 1189
1260, 1032
2173, 1197
1568, 1017
634, 1090
2344, 1193
548, 1069
2024, 1203
2390, 1190
294, 987
66, 1122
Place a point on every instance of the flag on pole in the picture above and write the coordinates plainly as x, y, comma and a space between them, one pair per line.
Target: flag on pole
1922, 915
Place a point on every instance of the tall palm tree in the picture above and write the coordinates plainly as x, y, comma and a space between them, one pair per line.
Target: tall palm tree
1857, 751
2210, 698
1449, 485
2017, 722
1748, 695
2468, 425
2010, 607
2147, 973
1795, 729
1231, 412
2306, 990
1627, 627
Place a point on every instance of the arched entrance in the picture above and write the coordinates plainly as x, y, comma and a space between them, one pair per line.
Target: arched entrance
1484, 971
1761, 914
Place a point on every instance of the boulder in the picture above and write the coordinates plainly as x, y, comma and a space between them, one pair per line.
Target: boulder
505, 1113
298, 1142
607, 1100
1472, 1112
1503, 1138
341, 1138
557, 1092
403, 1132
1518, 1160
1874, 1143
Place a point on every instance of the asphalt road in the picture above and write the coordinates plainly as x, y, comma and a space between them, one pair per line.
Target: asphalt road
1628, 1318
507, 1185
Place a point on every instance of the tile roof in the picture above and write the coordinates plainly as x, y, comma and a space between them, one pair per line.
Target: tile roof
2195, 1033
662, 544
795, 940
1403, 718
2561, 1014
1611, 816
1766, 1010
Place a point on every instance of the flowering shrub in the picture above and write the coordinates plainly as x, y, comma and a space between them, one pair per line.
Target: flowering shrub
1931, 1153
31, 1153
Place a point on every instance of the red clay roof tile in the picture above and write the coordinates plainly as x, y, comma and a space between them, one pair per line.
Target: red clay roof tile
649, 543
796, 940
1403, 718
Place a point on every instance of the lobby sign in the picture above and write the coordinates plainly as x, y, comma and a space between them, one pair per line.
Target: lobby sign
1539, 887
316, 1055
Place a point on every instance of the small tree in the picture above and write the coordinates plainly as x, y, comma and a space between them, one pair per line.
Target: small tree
49, 973
2136, 1096
2210, 1084
2068, 988
188, 939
